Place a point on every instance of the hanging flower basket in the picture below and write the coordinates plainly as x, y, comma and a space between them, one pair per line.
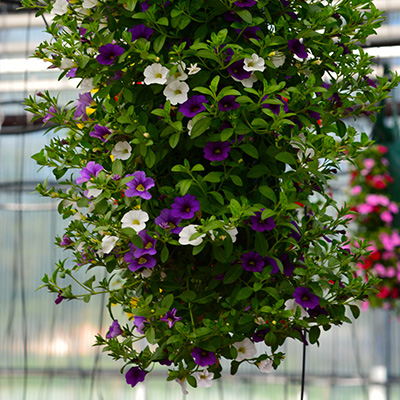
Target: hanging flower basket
201, 144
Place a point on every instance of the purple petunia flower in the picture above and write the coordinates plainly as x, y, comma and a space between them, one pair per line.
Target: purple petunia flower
185, 207
144, 261
139, 323
249, 32
261, 225
114, 330
237, 71
140, 31
84, 100
192, 106
52, 111
139, 185
59, 298
276, 108
100, 132
318, 310
91, 170
245, 3
314, 114
297, 48
203, 357
148, 245
227, 52
271, 261
167, 221
109, 53
344, 47
295, 232
259, 336
305, 298
134, 376
369, 81
71, 73
216, 151
170, 317
288, 267
228, 103
66, 241
231, 16
252, 261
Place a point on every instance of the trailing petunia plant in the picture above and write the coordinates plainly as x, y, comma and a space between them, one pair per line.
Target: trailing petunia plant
200, 133
374, 215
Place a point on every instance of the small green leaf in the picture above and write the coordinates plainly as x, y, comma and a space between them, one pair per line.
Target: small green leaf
286, 157
200, 127
236, 180
164, 254
213, 176
163, 21
159, 43
188, 296
268, 193
233, 274
314, 333
167, 301
250, 150
245, 15
151, 335
355, 311
244, 293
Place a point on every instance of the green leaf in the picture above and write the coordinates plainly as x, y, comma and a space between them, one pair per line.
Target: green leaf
151, 335
200, 127
150, 158
233, 274
259, 123
314, 333
217, 196
198, 167
236, 180
163, 21
244, 293
188, 296
164, 254
214, 84
167, 301
286, 157
250, 150
245, 15
355, 311
174, 140
213, 176
268, 193
184, 186
270, 338
258, 171
159, 43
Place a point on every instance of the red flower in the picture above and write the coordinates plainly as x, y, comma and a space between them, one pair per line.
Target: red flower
382, 149
375, 255
395, 293
383, 293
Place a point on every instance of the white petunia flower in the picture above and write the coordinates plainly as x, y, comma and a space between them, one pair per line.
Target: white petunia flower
232, 233
182, 385
248, 82
301, 154
135, 219
86, 85
278, 59
90, 3
67, 63
186, 233
176, 92
292, 305
190, 126
93, 192
122, 151
193, 69
266, 366
246, 349
204, 378
60, 7
108, 243
179, 75
254, 63
156, 73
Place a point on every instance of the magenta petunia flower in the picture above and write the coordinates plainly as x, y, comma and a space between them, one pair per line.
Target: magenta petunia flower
90, 171
185, 207
305, 298
139, 185
109, 53
134, 376
170, 317
298, 48
100, 132
114, 330
216, 151
203, 357
148, 245
140, 31
252, 261
261, 225
228, 103
167, 221
237, 71
192, 106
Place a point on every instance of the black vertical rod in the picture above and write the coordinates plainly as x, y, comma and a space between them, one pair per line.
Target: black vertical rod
303, 369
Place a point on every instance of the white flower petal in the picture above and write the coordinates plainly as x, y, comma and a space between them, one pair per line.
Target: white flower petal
176, 92
204, 378
246, 349
266, 366
122, 151
254, 63
108, 243
156, 73
186, 233
135, 219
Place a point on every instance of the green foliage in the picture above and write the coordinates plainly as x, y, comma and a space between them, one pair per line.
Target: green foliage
250, 154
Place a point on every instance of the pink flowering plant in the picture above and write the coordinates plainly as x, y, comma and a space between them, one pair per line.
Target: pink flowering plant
374, 215
201, 130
